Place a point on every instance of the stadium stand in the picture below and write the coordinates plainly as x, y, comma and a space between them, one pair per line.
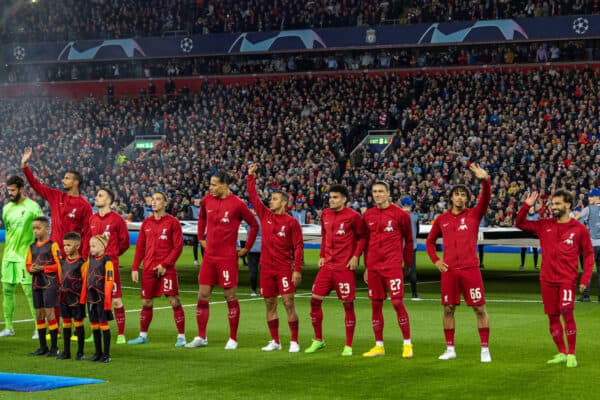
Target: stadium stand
523, 125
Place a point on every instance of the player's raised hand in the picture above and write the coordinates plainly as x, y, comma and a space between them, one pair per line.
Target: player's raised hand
531, 198
252, 169
26, 156
479, 172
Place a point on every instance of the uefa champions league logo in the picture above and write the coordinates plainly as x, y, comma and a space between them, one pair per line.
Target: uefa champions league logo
581, 25
19, 53
245, 42
186, 44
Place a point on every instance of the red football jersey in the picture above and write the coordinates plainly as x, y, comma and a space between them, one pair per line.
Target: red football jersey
342, 236
389, 238
219, 221
114, 228
160, 242
561, 245
459, 233
68, 213
282, 244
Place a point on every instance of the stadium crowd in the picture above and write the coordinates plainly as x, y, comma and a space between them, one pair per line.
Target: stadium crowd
528, 129
105, 19
561, 51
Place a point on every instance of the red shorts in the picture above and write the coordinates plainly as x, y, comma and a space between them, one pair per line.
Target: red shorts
382, 279
467, 281
116, 292
342, 281
274, 283
155, 286
215, 272
558, 296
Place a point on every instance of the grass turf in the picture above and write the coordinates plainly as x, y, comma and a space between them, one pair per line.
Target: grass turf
520, 345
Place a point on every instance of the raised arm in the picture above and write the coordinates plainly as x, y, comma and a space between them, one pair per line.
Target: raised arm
43, 190
486, 190
521, 222
258, 205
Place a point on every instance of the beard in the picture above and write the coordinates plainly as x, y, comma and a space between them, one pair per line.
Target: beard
559, 213
16, 198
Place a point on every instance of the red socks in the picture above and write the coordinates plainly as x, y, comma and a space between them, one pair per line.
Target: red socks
145, 318
234, 318
274, 329
449, 334
120, 320
402, 316
202, 314
179, 317
377, 319
350, 322
293, 330
316, 317
484, 336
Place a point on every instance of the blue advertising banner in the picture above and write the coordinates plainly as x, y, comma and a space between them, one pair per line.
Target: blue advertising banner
470, 32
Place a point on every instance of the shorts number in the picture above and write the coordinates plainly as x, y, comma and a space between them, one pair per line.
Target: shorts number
344, 288
167, 284
395, 284
114, 288
284, 282
226, 276
567, 295
475, 293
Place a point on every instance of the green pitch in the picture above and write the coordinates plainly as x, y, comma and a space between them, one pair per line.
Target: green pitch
519, 343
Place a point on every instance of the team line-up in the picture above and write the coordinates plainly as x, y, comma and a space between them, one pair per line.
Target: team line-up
73, 269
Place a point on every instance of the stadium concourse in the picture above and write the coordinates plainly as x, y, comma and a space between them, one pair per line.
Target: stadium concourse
531, 128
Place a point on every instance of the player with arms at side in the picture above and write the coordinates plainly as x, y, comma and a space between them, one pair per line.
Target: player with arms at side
389, 243
281, 260
459, 267
221, 213
17, 215
158, 247
42, 263
112, 226
562, 239
342, 243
